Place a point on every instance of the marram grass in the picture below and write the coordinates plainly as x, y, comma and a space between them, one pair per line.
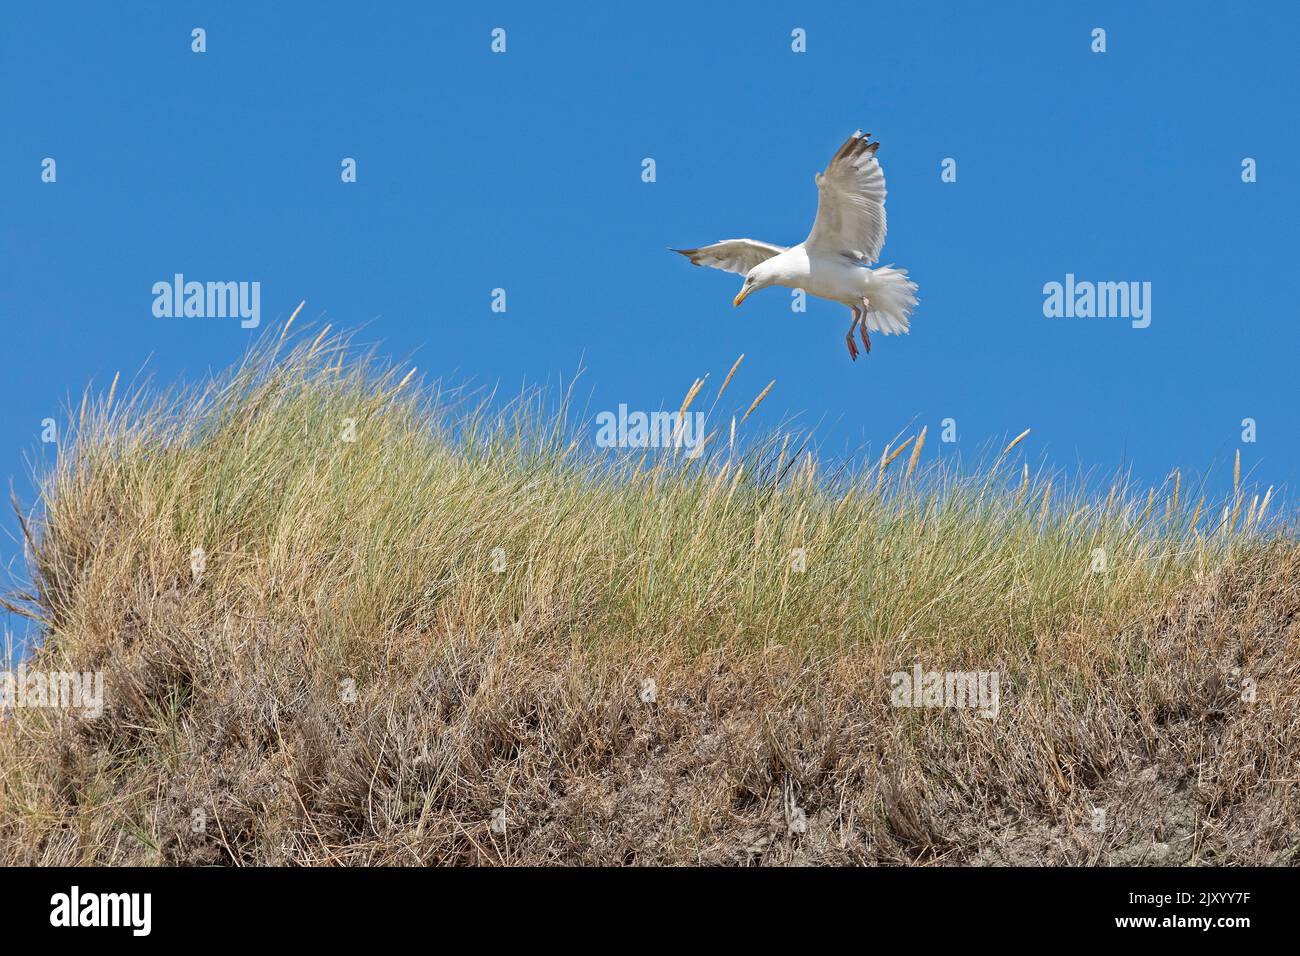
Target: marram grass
317, 478
355, 524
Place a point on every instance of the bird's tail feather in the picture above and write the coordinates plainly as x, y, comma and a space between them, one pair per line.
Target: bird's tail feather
892, 297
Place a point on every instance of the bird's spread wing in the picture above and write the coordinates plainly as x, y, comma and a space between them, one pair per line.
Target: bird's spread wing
732, 255
851, 202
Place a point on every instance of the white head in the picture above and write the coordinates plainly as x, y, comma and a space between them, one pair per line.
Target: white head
759, 277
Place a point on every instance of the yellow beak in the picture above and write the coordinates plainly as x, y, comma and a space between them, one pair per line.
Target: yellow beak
740, 297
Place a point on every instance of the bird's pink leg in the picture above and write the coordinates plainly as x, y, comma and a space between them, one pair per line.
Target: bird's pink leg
853, 346
866, 339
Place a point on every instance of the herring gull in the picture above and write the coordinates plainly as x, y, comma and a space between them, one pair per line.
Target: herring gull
832, 263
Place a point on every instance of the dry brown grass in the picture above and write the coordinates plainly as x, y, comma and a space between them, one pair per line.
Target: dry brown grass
336, 565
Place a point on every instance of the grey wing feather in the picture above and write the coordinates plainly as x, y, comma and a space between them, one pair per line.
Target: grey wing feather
851, 202
732, 255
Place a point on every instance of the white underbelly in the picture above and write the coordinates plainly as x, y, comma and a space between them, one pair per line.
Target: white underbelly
836, 279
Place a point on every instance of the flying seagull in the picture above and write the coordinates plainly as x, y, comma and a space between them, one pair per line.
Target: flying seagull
832, 262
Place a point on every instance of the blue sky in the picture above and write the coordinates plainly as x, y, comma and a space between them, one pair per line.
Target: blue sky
522, 171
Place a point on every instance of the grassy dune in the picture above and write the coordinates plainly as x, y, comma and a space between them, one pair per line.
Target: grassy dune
412, 615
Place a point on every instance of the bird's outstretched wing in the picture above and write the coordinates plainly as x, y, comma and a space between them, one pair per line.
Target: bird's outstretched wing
851, 202
732, 255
